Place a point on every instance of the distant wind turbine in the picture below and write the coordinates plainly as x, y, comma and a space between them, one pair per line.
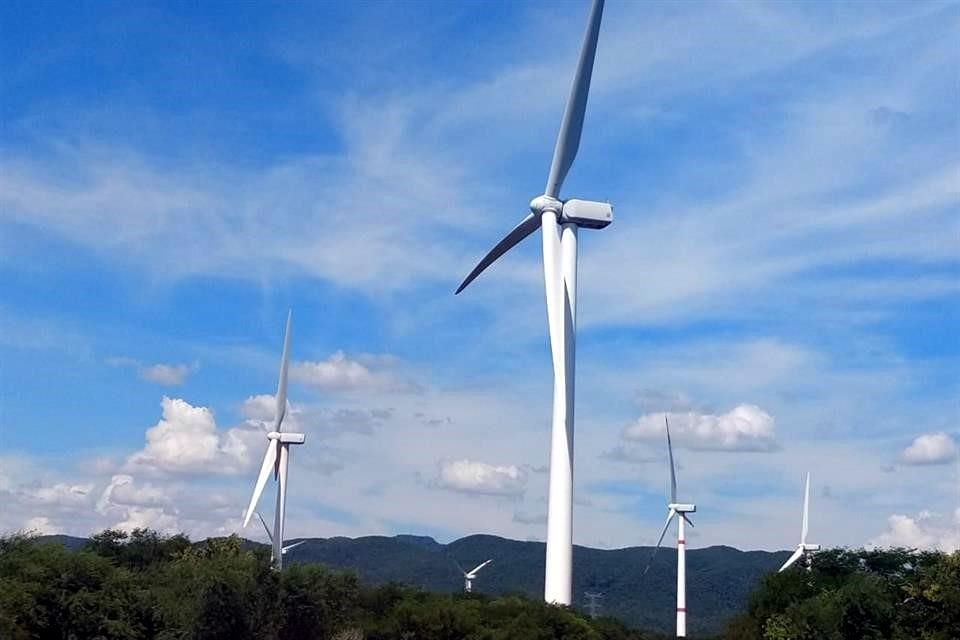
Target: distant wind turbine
803, 549
277, 458
559, 221
675, 509
470, 576
283, 549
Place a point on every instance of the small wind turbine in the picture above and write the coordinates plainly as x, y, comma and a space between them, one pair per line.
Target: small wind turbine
676, 509
559, 221
283, 549
803, 549
470, 576
277, 457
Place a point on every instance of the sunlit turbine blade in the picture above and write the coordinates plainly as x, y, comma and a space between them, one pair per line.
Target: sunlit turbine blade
265, 527
268, 459
480, 566
292, 546
568, 139
806, 511
553, 284
521, 231
281, 409
663, 532
796, 556
673, 472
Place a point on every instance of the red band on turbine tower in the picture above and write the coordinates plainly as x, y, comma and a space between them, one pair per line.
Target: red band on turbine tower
681, 610
681, 542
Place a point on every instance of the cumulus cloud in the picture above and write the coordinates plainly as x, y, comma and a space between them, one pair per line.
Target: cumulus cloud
186, 439
341, 373
468, 476
40, 525
130, 506
745, 428
61, 494
924, 531
930, 448
259, 410
171, 375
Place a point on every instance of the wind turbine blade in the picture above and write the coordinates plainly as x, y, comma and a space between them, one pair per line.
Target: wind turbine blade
480, 566
673, 472
462, 570
280, 514
568, 139
292, 546
663, 532
796, 556
689, 521
806, 511
521, 231
265, 527
281, 410
265, 469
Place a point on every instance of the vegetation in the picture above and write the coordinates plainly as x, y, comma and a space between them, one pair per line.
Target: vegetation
121, 587
144, 585
864, 595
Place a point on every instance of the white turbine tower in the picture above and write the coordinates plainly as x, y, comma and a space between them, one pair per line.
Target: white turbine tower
284, 549
559, 221
675, 509
470, 576
803, 549
277, 458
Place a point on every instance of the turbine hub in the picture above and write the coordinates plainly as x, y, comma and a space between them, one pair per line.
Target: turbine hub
544, 203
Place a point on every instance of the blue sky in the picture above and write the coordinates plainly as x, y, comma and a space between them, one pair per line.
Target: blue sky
781, 276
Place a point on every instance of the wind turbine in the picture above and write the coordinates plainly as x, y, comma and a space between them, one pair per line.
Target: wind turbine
277, 457
559, 221
675, 509
470, 576
803, 549
283, 549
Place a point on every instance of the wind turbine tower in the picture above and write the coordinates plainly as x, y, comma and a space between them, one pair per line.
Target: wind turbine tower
677, 510
803, 549
277, 459
559, 221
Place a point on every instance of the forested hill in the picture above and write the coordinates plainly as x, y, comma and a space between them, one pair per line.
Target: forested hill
719, 579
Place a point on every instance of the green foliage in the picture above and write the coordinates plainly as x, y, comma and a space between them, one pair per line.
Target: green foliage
893, 594
147, 586
143, 585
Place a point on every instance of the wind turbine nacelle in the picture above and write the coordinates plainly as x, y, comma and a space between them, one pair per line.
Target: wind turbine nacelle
285, 437
683, 508
585, 213
811, 547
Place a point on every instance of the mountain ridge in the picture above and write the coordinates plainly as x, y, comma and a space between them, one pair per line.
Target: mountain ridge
719, 578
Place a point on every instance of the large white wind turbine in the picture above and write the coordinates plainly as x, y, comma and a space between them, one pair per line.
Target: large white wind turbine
559, 221
277, 458
470, 576
675, 509
803, 549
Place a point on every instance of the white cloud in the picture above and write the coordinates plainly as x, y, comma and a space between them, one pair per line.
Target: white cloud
930, 448
62, 493
40, 525
172, 375
469, 476
166, 374
925, 531
130, 505
123, 492
745, 428
186, 439
341, 373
